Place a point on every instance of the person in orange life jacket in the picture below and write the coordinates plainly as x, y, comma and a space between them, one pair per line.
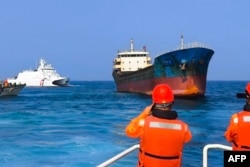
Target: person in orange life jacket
162, 135
6, 84
237, 131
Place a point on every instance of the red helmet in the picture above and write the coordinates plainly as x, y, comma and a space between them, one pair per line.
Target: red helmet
248, 88
162, 93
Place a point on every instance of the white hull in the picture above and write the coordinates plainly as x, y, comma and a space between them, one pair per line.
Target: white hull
41, 82
44, 76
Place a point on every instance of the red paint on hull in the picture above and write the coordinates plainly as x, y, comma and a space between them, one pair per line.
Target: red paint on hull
190, 86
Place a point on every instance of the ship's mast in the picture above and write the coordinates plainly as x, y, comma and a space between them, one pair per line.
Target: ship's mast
131, 45
182, 42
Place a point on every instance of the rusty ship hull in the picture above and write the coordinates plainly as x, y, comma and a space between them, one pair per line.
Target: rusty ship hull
184, 70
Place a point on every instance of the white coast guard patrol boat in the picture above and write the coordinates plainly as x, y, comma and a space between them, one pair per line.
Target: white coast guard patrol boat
44, 75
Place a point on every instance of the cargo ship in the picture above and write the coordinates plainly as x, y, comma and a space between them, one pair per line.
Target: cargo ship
183, 69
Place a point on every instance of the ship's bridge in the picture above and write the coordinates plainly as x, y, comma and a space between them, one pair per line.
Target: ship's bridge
131, 60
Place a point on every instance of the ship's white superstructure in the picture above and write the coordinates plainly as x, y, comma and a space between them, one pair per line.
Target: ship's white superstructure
131, 60
44, 75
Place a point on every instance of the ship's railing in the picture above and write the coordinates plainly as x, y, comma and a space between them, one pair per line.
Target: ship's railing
187, 46
192, 45
210, 146
134, 147
119, 156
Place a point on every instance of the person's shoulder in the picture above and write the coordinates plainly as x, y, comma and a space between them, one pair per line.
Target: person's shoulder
235, 115
183, 122
243, 113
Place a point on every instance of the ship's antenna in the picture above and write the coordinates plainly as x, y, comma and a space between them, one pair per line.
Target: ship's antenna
131, 45
182, 42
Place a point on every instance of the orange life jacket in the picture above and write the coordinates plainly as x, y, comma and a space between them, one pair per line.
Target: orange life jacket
6, 84
243, 135
162, 142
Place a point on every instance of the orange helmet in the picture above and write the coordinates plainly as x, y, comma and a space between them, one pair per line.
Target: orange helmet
248, 88
162, 93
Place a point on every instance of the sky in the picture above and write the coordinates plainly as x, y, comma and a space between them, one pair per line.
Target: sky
80, 38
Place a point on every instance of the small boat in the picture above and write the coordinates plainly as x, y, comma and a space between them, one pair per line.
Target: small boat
183, 69
9, 89
44, 76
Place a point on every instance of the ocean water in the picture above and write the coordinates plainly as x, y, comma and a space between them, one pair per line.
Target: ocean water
83, 125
